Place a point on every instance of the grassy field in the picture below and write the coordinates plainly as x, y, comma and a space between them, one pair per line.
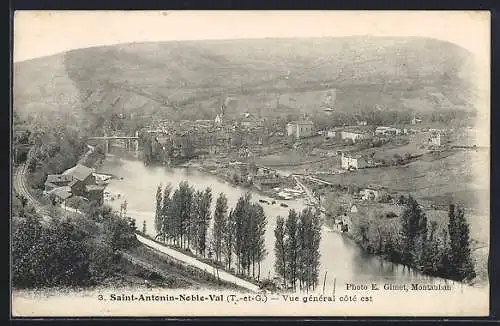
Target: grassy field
460, 176
288, 158
177, 274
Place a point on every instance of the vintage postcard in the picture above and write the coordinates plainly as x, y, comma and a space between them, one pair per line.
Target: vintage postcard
250, 163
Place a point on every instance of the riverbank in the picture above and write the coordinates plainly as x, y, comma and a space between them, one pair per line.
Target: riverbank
376, 232
365, 233
480, 262
224, 175
342, 260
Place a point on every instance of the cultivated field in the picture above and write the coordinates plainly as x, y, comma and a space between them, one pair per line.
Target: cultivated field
458, 176
289, 158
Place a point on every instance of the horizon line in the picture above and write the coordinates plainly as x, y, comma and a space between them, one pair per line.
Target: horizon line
242, 39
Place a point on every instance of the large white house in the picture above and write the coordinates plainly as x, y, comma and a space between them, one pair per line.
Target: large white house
353, 161
354, 135
218, 120
438, 139
300, 129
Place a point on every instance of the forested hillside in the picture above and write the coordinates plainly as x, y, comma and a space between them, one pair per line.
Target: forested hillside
190, 79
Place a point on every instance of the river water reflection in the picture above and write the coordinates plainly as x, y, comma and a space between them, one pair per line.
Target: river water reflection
342, 260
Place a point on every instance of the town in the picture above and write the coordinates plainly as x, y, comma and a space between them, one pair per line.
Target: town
241, 151
270, 154
334, 169
214, 188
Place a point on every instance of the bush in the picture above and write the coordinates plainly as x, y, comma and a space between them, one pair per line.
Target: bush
391, 215
385, 198
79, 203
49, 256
119, 233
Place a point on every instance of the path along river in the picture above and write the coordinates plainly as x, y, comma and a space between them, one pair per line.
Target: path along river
341, 259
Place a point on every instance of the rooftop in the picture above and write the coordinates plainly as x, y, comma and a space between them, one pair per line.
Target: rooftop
302, 122
61, 192
374, 187
349, 155
94, 188
355, 131
56, 178
79, 172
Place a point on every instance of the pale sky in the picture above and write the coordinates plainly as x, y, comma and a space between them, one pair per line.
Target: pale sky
42, 33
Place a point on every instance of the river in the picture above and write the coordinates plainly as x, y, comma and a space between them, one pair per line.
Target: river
342, 261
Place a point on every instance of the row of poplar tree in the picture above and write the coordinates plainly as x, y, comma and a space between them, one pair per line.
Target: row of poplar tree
296, 248
183, 218
442, 250
446, 254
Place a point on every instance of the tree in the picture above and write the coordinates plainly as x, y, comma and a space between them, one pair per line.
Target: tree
413, 232
203, 220
279, 248
228, 239
462, 267
195, 223
220, 221
175, 226
444, 254
291, 247
431, 255
241, 222
308, 238
26, 236
119, 233
94, 211
63, 249
304, 244
167, 224
158, 212
55, 255
183, 205
257, 238
123, 209
315, 253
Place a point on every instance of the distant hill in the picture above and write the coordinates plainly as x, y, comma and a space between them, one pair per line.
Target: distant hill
192, 78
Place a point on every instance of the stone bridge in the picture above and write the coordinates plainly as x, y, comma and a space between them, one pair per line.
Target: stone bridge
131, 142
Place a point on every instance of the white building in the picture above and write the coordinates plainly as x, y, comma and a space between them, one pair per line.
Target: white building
331, 133
353, 161
415, 120
388, 131
353, 135
438, 139
218, 120
300, 129
372, 193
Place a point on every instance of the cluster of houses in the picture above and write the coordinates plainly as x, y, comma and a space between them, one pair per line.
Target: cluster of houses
367, 198
353, 133
77, 181
389, 131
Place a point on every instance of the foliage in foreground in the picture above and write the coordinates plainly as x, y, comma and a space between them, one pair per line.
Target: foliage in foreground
66, 252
